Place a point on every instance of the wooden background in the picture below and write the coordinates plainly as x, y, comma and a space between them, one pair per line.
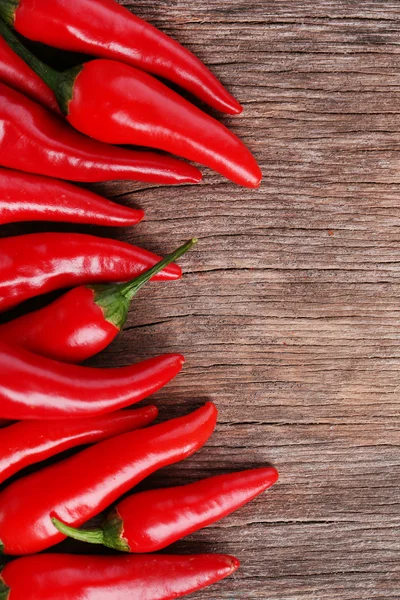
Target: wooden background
289, 310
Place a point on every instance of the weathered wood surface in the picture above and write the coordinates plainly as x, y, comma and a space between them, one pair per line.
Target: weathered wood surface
289, 312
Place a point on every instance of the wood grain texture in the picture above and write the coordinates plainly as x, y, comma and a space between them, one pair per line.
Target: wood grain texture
289, 311
288, 314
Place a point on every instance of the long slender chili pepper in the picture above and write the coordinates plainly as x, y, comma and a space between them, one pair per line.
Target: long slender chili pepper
118, 104
61, 576
15, 72
38, 263
27, 197
103, 28
80, 487
88, 318
35, 387
36, 141
29, 442
150, 521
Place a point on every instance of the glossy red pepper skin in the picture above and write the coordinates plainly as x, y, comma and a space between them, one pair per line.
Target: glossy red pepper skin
28, 442
88, 318
104, 28
28, 197
34, 387
15, 73
81, 332
38, 263
150, 521
65, 576
82, 486
118, 104
36, 141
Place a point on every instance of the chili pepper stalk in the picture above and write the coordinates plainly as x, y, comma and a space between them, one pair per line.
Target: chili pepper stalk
115, 300
91, 96
149, 521
17, 74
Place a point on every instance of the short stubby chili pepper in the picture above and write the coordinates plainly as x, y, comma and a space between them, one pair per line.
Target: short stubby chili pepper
35, 387
150, 521
15, 72
29, 442
82, 486
62, 576
28, 197
37, 263
37, 141
104, 28
88, 318
118, 104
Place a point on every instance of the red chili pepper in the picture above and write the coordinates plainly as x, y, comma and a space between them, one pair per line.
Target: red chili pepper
36, 141
27, 197
34, 387
29, 442
78, 488
61, 576
15, 72
118, 104
150, 521
88, 318
38, 263
103, 28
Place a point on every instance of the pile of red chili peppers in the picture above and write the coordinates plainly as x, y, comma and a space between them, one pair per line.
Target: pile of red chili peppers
67, 126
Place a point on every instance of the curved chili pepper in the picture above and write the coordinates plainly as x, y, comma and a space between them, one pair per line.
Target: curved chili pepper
118, 104
80, 487
88, 318
60, 576
38, 263
36, 141
29, 442
34, 387
15, 72
150, 521
103, 28
27, 197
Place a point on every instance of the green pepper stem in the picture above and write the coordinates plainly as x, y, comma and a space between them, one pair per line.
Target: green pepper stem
4, 590
8, 9
114, 300
50, 76
132, 287
93, 536
62, 84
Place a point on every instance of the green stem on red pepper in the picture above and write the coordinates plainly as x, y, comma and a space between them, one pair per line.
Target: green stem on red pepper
114, 300
50, 76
